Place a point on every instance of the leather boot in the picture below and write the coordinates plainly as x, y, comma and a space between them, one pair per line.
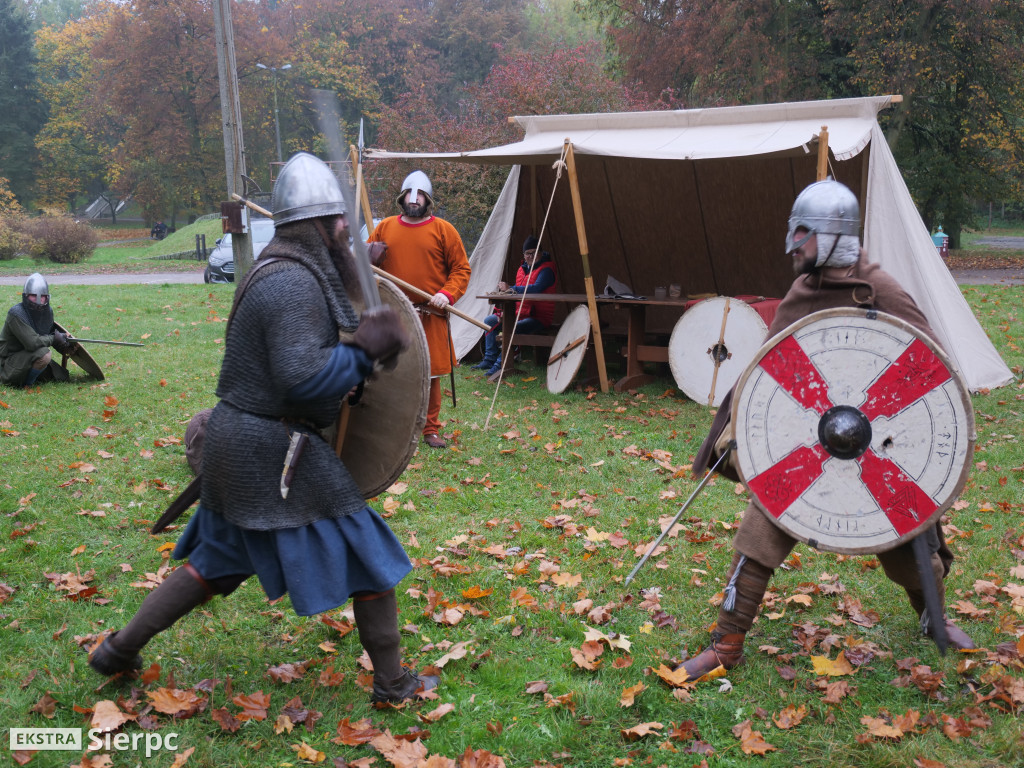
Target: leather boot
958, 639
377, 621
747, 581
725, 651
179, 593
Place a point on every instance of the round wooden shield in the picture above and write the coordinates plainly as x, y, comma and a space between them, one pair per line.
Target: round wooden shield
854, 431
711, 345
568, 350
82, 358
382, 429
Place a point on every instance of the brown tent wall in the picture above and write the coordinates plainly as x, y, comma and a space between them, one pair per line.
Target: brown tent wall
711, 226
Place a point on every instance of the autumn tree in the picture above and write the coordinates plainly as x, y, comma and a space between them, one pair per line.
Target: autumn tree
718, 52
521, 83
960, 68
22, 112
54, 13
77, 142
157, 68
470, 37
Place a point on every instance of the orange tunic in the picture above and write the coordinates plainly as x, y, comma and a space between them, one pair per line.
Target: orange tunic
431, 256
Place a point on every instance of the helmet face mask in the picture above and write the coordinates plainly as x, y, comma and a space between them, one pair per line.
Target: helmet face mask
823, 208
306, 189
36, 285
414, 183
38, 311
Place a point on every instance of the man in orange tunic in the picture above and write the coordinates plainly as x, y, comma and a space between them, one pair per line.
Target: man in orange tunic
427, 252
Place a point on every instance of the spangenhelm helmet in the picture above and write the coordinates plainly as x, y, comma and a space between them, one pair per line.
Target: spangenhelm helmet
824, 208
306, 189
417, 182
36, 284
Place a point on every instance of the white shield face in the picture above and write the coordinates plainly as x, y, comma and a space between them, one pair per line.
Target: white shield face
711, 345
853, 431
568, 350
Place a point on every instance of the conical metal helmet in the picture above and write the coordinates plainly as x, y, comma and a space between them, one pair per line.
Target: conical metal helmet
414, 183
306, 189
36, 284
824, 208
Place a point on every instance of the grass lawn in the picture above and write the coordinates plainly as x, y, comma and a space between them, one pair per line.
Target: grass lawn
521, 535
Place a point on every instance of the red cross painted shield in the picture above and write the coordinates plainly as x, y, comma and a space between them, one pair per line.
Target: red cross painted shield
854, 431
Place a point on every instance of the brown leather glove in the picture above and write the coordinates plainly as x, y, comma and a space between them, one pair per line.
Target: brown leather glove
380, 333
377, 252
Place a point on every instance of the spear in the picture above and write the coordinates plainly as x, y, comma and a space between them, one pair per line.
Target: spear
378, 271
104, 341
679, 514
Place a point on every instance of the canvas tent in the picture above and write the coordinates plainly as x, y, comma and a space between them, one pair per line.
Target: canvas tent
701, 198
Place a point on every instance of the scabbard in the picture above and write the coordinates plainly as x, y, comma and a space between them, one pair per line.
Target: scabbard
934, 619
291, 461
177, 508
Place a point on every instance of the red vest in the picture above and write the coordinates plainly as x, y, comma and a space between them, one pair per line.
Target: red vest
538, 310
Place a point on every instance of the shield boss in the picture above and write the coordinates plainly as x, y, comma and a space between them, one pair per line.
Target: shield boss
854, 431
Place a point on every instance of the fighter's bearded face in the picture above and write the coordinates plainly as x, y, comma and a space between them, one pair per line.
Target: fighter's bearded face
415, 209
806, 256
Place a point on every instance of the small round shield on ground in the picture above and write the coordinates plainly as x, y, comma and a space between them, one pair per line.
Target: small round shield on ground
82, 358
568, 350
711, 345
382, 429
854, 431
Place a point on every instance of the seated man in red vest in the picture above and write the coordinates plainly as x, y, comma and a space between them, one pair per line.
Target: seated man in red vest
536, 275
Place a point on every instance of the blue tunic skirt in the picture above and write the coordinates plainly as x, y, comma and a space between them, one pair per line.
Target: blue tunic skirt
319, 565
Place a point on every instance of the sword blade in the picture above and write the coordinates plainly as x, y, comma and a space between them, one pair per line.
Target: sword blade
327, 108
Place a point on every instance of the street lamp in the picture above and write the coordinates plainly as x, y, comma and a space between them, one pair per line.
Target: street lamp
277, 127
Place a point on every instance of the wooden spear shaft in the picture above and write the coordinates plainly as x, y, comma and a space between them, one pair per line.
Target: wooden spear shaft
381, 273
423, 294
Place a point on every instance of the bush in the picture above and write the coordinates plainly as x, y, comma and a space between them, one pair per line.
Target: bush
61, 239
12, 237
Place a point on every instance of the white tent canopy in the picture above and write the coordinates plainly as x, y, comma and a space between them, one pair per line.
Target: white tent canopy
701, 197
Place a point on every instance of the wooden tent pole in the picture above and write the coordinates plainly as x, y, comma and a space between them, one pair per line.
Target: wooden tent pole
364, 198
588, 280
533, 200
823, 153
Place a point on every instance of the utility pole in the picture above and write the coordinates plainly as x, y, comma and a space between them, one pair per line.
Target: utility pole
277, 124
231, 116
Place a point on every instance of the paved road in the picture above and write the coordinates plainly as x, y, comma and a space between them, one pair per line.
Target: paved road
150, 278
989, 276
1014, 243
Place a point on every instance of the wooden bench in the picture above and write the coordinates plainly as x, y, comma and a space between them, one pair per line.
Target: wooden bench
539, 342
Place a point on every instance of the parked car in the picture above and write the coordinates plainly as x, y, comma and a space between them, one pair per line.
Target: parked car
220, 267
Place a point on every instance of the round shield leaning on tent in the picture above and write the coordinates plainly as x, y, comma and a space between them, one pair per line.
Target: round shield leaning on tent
832, 272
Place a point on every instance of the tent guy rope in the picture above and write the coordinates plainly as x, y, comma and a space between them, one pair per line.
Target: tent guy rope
559, 166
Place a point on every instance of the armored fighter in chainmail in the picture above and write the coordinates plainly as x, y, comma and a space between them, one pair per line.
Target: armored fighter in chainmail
281, 383
28, 333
